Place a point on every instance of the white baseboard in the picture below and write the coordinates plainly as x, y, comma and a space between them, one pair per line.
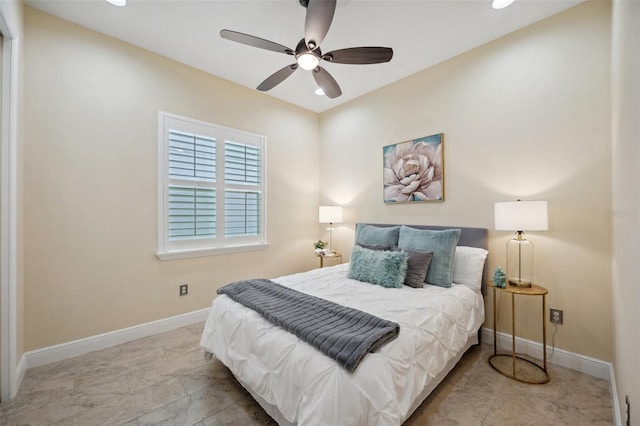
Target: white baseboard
102, 341
592, 366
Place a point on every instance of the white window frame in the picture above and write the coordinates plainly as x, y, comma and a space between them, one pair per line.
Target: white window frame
180, 249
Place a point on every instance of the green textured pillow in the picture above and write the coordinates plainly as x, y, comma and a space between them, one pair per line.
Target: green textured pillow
443, 246
385, 268
368, 234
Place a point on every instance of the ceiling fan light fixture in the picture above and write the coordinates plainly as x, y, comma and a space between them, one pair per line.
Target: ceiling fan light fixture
501, 4
118, 3
308, 61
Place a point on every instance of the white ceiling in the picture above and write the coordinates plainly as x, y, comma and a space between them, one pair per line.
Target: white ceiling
421, 32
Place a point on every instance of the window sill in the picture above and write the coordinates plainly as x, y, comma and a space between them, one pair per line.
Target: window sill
185, 254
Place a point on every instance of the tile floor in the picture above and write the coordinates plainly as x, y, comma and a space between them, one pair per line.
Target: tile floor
165, 380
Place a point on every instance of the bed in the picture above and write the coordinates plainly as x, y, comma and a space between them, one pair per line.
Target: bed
298, 385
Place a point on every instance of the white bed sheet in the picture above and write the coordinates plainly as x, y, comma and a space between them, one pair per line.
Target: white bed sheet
308, 388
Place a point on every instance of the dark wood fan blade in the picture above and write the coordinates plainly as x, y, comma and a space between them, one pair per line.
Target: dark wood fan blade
254, 41
277, 77
326, 82
360, 55
318, 20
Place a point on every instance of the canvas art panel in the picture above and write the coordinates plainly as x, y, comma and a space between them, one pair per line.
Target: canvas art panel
414, 170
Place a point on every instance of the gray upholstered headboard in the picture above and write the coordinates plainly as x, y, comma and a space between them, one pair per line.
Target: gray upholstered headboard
471, 237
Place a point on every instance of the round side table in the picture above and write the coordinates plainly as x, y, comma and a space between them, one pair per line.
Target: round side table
494, 360
333, 255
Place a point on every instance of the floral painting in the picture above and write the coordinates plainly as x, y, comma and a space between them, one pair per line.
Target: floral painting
414, 170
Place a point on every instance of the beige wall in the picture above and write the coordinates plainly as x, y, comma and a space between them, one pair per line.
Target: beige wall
526, 116
626, 203
90, 188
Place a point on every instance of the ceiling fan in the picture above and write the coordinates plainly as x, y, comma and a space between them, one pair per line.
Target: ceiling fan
308, 54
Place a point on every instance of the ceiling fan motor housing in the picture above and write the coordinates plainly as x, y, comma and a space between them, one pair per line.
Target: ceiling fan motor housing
302, 48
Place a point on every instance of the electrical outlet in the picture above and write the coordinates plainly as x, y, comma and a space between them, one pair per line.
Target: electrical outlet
628, 403
184, 289
556, 316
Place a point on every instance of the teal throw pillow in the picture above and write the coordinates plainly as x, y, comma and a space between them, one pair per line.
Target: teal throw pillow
369, 234
385, 268
443, 246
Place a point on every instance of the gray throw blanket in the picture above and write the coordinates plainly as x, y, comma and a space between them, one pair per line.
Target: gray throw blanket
342, 333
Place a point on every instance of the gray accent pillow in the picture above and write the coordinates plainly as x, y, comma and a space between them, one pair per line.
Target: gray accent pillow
379, 247
441, 243
417, 266
385, 268
368, 234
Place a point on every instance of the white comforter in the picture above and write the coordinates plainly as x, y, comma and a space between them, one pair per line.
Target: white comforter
309, 388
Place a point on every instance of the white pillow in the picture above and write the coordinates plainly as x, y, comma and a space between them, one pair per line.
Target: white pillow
468, 265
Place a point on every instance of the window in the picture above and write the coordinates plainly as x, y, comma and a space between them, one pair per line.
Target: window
211, 196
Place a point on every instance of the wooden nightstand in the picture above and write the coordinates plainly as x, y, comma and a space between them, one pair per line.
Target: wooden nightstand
494, 360
329, 256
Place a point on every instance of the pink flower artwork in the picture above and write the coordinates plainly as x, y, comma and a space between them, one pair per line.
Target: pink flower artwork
413, 170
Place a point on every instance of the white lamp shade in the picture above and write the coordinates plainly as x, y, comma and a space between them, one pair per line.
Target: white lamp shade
330, 214
521, 216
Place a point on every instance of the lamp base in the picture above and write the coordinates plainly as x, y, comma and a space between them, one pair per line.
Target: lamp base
517, 283
520, 262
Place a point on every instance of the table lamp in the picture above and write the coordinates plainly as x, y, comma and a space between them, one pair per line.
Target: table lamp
330, 215
520, 216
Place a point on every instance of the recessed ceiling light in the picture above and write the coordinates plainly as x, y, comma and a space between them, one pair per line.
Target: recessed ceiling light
501, 4
117, 2
319, 92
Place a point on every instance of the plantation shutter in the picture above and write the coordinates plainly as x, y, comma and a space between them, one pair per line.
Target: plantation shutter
211, 189
192, 212
191, 156
241, 163
242, 174
192, 209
